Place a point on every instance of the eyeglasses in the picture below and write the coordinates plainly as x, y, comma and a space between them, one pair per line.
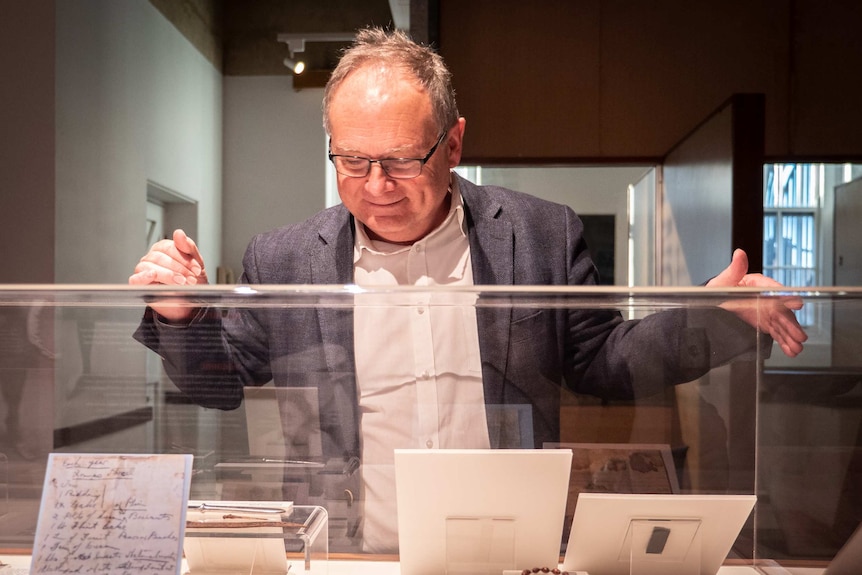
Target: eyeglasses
398, 168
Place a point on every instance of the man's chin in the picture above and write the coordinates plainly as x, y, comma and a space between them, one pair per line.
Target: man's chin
389, 230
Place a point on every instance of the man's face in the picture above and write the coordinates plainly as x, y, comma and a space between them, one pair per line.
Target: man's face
377, 113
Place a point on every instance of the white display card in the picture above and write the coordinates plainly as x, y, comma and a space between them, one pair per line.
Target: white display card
112, 514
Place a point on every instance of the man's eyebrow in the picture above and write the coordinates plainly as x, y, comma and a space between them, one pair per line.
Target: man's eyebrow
398, 152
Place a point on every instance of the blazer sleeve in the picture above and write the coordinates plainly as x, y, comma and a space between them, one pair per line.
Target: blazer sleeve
212, 357
614, 358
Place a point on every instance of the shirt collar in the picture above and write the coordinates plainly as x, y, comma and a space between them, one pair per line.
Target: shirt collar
454, 218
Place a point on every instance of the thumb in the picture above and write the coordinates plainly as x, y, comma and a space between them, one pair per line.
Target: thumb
187, 246
183, 242
732, 275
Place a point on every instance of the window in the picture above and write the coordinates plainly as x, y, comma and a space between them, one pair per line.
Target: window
791, 203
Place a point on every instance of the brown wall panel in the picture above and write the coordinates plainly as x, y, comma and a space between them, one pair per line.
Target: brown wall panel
614, 80
527, 76
667, 65
827, 83
27, 141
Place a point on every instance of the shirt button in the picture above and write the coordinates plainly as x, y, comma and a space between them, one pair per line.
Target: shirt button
429, 444
418, 248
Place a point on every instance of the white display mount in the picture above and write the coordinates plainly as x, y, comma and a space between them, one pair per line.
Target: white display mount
637, 534
255, 538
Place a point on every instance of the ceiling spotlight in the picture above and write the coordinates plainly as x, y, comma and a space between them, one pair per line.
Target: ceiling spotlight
296, 43
298, 66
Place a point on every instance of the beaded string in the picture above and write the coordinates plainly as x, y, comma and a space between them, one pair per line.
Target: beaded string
555, 571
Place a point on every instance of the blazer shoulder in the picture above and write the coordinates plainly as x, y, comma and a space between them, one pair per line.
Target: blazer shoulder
322, 226
282, 255
519, 208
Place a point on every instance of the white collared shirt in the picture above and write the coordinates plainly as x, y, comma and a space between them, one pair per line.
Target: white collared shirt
418, 369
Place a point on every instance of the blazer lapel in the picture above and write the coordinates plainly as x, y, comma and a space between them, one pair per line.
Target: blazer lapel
491, 237
332, 264
492, 253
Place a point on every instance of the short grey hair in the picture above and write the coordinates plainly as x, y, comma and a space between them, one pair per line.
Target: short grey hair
397, 49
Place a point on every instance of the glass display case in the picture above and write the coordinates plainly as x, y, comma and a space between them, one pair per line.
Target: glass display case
300, 394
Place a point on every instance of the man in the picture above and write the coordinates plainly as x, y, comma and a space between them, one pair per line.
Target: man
415, 374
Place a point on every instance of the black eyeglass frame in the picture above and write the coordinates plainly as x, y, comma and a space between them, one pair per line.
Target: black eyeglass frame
382, 161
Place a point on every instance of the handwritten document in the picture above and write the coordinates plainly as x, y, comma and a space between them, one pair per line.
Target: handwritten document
116, 514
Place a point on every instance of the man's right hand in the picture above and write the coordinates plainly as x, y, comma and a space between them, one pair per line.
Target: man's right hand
171, 262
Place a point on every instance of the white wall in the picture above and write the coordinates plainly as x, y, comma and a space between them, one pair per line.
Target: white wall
697, 204
135, 101
274, 158
588, 190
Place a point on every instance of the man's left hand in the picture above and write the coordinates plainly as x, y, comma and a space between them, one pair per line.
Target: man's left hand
771, 315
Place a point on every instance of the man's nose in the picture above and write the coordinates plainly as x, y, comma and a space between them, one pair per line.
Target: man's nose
377, 179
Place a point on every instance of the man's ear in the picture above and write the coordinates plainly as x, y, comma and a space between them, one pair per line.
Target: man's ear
455, 141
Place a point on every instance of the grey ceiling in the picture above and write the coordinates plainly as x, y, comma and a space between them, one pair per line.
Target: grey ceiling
249, 29
240, 36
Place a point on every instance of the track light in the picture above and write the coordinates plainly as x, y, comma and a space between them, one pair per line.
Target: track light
296, 43
298, 66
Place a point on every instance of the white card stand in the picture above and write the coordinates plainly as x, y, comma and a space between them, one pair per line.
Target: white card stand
479, 545
298, 540
663, 547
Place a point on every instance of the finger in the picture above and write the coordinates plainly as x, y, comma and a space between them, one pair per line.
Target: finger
144, 277
794, 303
787, 332
791, 347
785, 319
168, 258
150, 276
733, 273
186, 246
161, 269
759, 281
179, 257
792, 328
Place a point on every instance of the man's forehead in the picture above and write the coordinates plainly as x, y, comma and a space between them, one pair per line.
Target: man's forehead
378, 84
384, 105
